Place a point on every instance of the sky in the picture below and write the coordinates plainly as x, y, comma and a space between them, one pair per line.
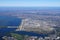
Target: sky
30, 3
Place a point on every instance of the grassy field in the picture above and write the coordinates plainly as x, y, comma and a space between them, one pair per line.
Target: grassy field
17, 36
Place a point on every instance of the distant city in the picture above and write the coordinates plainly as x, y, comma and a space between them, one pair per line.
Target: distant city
29, 23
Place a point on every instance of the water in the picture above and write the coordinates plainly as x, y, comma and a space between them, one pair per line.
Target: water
28, 8
30, 33
9, 21
5, 31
